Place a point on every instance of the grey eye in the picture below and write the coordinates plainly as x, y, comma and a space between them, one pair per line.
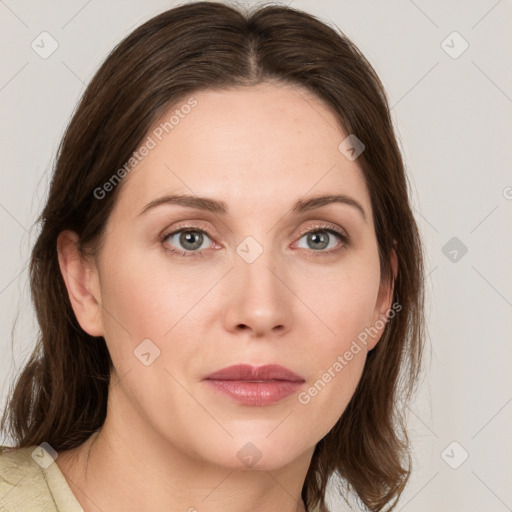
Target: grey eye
319, 239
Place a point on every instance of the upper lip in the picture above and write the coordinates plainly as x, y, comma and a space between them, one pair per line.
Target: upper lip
249, 373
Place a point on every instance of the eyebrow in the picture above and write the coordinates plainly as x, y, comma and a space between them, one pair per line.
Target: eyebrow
221, 208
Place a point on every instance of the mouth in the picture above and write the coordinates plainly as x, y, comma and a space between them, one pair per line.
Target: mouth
255, 386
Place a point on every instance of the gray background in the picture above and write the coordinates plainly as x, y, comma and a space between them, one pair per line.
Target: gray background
454, 121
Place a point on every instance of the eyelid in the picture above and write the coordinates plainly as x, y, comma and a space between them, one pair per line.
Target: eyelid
187, 226
325, 225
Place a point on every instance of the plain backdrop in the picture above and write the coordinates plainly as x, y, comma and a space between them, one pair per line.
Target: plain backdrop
446, 66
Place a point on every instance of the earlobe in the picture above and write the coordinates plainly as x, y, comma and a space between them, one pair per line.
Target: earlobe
384, 301
80, 278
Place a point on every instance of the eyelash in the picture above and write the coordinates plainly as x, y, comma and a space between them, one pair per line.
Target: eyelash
328, 228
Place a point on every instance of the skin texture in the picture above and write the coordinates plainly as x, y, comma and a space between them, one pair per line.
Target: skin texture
170, 443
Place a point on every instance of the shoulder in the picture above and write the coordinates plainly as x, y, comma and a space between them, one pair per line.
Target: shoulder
23, 484
17, 466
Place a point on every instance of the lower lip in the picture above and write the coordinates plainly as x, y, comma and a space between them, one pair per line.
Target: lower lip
256, 393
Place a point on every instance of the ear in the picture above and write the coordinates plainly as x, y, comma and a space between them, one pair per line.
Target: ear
384, 302
81, 279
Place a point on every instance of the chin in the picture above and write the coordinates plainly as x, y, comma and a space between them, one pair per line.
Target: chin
257, 453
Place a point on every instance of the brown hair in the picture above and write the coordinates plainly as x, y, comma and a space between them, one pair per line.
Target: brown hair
61, 395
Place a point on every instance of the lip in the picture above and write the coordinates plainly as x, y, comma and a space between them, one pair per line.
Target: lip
248, 372
255, 385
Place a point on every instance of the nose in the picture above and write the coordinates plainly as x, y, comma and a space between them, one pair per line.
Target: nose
259, 299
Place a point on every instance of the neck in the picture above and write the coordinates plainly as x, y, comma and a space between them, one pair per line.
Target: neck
124, 466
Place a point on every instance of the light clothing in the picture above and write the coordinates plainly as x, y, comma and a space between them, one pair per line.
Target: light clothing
26, 486
29, 486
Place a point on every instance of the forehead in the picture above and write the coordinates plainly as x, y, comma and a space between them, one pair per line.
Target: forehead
269, 143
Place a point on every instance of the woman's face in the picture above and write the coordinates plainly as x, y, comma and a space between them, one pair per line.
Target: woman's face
247, 284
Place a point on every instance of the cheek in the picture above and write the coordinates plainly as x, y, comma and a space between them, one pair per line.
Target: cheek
336, 366
345, 305
140, 304
343, 297
137, 297
131, 311
327, 395
143, 300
